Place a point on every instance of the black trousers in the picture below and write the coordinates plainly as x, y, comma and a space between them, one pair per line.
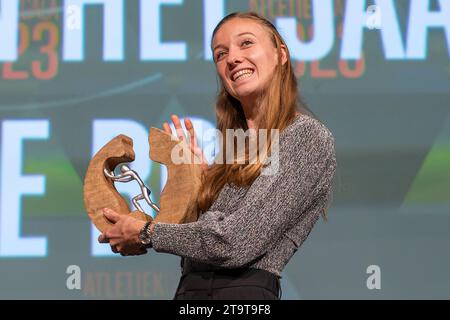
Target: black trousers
231, 284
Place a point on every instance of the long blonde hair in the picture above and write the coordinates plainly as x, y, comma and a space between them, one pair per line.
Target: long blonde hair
278, 106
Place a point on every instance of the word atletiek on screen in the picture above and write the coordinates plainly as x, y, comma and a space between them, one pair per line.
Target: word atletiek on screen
152, 48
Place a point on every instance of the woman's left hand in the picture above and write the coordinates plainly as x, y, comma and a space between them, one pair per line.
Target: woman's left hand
123, 236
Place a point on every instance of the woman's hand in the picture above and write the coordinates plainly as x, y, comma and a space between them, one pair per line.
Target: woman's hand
192, 138
123, 236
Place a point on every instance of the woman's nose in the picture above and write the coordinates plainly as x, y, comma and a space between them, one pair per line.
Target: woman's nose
233, 58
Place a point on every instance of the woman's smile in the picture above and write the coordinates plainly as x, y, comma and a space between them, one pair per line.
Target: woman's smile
244, 79
242, 74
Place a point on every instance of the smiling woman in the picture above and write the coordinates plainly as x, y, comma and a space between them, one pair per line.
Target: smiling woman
246, 57
259, 89
250, 222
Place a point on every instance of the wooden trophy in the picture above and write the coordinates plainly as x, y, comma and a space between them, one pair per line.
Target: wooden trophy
178, 197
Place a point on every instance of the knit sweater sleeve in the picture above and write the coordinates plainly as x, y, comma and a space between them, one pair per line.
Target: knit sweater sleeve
273, 203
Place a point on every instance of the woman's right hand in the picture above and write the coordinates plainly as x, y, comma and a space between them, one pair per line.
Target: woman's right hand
195, 149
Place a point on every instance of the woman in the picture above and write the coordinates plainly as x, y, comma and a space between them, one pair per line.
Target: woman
250, 223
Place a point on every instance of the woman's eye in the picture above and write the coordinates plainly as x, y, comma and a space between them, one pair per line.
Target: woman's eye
219, 55
244, 43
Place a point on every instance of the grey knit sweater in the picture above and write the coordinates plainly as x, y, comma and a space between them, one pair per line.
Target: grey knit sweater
263, 225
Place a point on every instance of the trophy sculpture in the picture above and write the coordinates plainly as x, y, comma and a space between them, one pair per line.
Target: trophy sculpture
177, 199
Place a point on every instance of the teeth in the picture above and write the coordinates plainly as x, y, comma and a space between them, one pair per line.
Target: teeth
243, 74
